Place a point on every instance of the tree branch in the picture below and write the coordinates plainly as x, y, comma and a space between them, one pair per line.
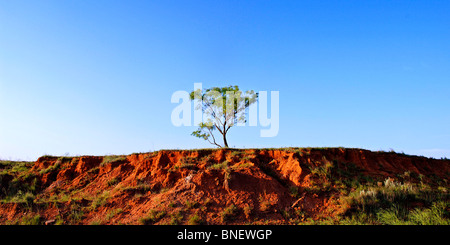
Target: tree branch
214, 139
218, 128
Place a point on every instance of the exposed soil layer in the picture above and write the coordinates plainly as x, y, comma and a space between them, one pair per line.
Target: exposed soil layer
223, 186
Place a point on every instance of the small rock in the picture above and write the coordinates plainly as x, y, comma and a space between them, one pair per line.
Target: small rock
188, 178
50, 222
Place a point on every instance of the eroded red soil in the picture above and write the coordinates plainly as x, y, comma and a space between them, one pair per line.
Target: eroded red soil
258, 186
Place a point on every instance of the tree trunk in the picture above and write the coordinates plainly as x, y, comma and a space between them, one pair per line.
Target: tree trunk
224, 134
225, 140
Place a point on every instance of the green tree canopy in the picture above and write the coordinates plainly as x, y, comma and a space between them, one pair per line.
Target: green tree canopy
222, 109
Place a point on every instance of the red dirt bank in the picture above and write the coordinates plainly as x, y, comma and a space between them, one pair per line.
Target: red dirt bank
262, 186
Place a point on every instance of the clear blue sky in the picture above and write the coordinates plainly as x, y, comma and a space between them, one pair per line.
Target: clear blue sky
96, 77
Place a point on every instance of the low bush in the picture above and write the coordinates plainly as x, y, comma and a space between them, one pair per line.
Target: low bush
396, 203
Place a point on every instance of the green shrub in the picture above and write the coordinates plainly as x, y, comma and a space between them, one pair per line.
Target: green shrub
113, 213
228, 213
191, 205
195, 220
437, 214
112, 158
100, 200
176, 218
223, 165
76, 213
31, 220
20, 197
55, 167
152, 217
390, 204
112, 182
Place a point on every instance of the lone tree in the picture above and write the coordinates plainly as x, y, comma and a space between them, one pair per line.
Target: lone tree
222, 108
